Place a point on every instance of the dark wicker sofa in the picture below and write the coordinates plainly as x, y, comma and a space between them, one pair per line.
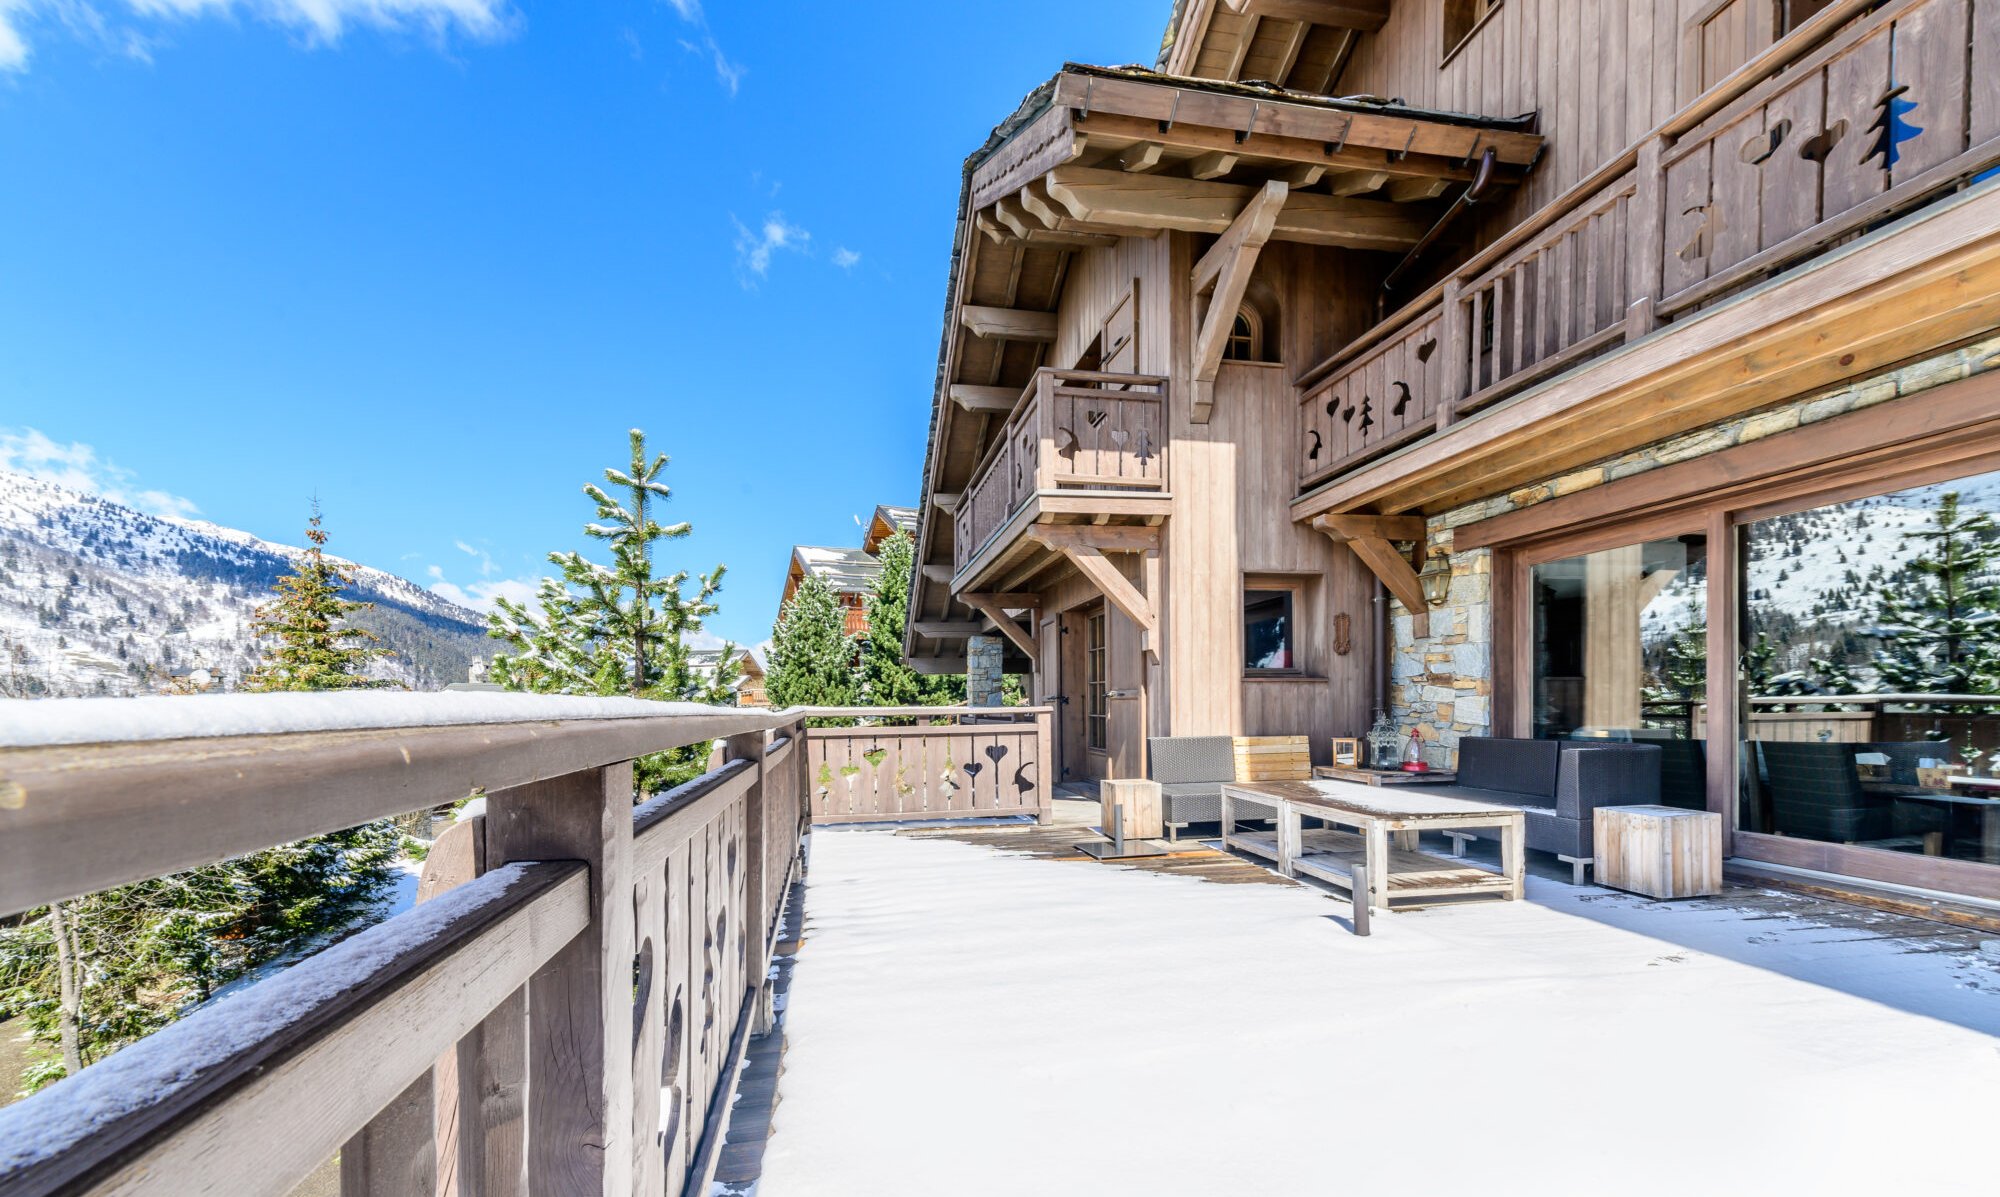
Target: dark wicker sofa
1558, 784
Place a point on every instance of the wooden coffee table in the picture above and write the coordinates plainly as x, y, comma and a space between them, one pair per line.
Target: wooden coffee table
1373, 813
1383, 777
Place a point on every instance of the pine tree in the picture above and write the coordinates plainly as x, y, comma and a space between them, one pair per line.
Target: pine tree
313, 889
885, 680
812, 656
1941, 629
618, 629
316, 648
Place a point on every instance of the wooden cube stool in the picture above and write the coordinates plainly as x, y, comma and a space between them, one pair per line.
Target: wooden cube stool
1138, 804
1659, 851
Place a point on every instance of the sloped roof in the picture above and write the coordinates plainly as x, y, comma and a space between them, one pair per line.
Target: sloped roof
847, 571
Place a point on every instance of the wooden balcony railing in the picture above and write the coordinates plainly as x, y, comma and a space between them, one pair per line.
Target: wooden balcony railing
953, 763
1074, 430
568, 1016
1862, 114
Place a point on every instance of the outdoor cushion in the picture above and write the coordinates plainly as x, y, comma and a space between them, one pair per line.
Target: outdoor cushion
1516, 766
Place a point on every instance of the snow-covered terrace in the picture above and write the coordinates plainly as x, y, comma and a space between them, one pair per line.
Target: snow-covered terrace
968, 1018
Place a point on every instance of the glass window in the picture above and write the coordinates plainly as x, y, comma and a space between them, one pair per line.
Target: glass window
1621, 653
1871, 671
1246, 337
1267, 632
1096, 685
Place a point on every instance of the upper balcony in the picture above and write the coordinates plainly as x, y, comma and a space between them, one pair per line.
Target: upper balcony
1080, 447
1829, 135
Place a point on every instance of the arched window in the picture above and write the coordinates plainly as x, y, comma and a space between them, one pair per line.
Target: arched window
1246, 337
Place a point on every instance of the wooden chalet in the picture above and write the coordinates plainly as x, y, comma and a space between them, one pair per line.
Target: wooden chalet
851, 573
1267, 400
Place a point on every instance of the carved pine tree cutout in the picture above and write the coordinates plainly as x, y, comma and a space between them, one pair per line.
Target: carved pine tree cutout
1890, 130
1367, 417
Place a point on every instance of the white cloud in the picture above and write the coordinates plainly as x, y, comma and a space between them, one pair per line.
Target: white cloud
704, 45
321, 22
846, 258
480, 595
755, 247
77, 466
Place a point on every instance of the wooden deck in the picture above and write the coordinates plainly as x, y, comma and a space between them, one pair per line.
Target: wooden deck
1191, 859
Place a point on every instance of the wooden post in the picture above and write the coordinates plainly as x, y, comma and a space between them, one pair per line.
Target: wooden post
395, 1153
1045, 784
579, 1117
751, 747
1456, 352
1646, 238
1724, 691
1357, 893
491, 1160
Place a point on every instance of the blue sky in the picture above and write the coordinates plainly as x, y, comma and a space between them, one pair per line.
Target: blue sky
428, 259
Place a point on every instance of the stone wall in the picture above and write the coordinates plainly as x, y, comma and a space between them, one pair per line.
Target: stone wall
1442, 686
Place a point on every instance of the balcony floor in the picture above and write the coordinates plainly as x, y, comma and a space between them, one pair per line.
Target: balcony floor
971, 1014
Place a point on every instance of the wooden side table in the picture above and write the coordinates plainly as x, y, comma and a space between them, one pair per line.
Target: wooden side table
1658, 851
1138, 803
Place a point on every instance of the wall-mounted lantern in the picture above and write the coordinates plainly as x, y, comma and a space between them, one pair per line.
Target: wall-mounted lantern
1436, 579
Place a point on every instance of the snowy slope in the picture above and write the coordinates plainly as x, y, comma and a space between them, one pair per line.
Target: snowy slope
1815, 574
97, 598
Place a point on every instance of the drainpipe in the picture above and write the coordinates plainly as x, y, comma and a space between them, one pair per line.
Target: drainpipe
1482, 182
1381, 671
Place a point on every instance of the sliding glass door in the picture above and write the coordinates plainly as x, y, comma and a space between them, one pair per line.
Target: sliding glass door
1619, 652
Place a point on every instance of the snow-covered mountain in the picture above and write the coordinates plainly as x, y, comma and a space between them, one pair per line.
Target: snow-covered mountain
1815, 578
97, 598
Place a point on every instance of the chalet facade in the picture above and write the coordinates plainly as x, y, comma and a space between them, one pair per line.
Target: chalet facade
1608, 382
849, 572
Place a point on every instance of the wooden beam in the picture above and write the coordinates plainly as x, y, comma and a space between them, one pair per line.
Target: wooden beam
1012, 600
1022, 638
1288, 56
1343, 14
947, 629
1011, 324
1301, 174
1404, 191
1140, 158
1246, 33
1015, 218
1358, 182
980, 398
1116, 588
1126, 539
1153, 202
1386, 563
1269, 147
932, 666
1212, 165
1223, 274
1381, 527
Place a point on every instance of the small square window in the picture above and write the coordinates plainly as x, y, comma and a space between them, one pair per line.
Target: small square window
1269, 638
1461, 18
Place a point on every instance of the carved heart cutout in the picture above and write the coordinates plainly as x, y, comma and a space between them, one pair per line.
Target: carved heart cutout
1118, 437
996, 753
1094, 418
1348, 413
1428, 347
972, 768
1333, 406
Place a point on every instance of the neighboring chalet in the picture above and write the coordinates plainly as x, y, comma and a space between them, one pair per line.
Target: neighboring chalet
749, 684
851, 573
1516, 404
